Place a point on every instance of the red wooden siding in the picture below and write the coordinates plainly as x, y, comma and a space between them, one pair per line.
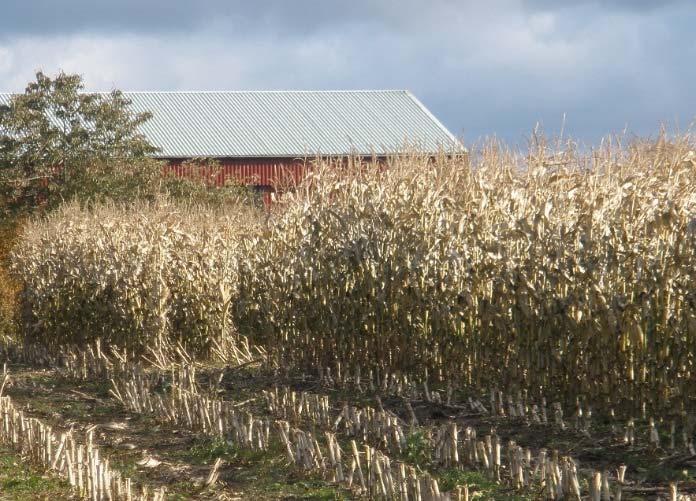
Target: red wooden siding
266, 175
275, 173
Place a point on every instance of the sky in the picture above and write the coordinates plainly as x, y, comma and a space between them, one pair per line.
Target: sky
484, 68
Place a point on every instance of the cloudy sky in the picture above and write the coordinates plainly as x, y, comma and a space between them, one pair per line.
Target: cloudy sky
484, 68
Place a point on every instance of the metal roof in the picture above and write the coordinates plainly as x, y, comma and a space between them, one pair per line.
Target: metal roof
288, 123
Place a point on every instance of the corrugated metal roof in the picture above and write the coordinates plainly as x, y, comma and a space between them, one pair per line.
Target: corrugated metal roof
287, 123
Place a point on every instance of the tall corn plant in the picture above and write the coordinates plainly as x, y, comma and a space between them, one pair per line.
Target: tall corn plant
136, 276
569, 274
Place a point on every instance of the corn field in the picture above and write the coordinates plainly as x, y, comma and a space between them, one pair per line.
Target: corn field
563, 273
134, 277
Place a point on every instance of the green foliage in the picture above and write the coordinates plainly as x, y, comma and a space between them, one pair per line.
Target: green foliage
200, 184
417, 449
18, 482
480, 486
115, 180
208, 451
260, 474
58, 144
56, 140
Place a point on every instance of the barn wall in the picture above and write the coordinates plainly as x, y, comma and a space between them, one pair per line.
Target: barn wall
274, 173
267, 175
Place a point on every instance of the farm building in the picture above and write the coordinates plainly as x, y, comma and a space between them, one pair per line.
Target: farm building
262, 137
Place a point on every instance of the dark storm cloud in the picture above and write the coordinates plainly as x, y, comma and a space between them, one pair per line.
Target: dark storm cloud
50, 16
290, 17
494, 67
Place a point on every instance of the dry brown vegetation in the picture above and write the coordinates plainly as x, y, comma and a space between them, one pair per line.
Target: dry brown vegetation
8, 286
565, 274
513, 324
559, 273
133, 276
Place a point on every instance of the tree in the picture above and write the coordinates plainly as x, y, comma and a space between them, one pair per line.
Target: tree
58, 142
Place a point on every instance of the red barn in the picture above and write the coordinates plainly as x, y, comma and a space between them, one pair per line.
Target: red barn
262, 138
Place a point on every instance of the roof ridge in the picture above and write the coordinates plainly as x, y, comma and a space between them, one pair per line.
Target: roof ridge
274, 91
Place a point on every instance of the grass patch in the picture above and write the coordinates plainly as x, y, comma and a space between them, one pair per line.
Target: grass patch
480, 486
208, 450
261, 474
20, 482
417, 450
